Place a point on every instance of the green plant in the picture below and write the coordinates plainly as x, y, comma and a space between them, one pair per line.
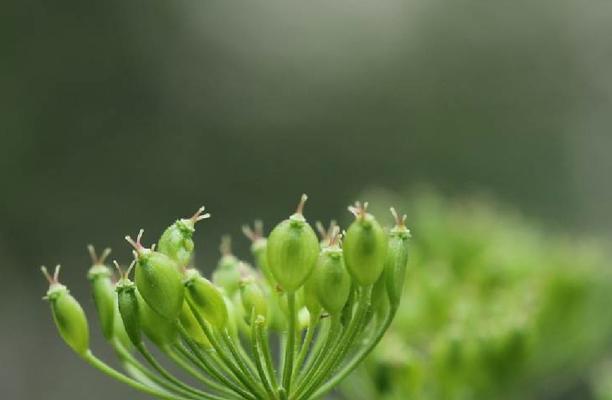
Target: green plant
494, 307
326, 305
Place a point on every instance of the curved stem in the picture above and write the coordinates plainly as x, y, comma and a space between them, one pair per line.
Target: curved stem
344, 343
113, 373
179, 359
322, 355
180, 386
221, 352
250, 375
350, 366
205, 364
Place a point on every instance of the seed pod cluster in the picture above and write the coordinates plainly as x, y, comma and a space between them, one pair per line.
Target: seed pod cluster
301, 288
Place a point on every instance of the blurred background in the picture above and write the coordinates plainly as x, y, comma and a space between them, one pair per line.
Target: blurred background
119, 115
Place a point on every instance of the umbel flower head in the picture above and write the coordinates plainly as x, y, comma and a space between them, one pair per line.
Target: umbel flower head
326, 302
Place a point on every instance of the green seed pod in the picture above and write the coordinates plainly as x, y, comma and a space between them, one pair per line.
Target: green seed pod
177, 240
292, 250
397, 258
103, 290
331, 281
365, 247
259, 249
158, 280
227, 274
129, 307
160, 330
68, 315
190, 323
119, 331
253, 298
311, 300
207, 299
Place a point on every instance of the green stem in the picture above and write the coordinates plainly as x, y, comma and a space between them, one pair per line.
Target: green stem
310, 332
134, 368
221, 352
322, 355
262, 340
250, 375
257, 353
350, 366
206, 365
290, 348
113, 373
343, 345
180, 386
180, 360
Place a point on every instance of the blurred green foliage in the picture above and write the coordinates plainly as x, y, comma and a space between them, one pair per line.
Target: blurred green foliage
494, 308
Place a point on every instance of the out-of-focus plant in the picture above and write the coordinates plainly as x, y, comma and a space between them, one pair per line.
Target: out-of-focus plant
494, 308
329, 301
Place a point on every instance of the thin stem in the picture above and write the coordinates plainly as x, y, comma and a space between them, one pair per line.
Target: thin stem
113, 373
180, 386
290, 348
350, 366
250, 375
310, 332
220, 351
344, 344
262, 340
205, 364
179, 359
257, 354
322, 355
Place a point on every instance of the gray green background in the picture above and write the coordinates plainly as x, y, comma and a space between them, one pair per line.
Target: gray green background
116, 115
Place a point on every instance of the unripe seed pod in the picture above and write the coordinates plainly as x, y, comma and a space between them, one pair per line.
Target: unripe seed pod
207, 299
68, 315
119, 331
160, 330
176, 242
292, 250
103, 291
311, 300
259, 249
227, 273
365, 247
190, 323
129, 308
253, 298
397, 258
158, 280
331, 281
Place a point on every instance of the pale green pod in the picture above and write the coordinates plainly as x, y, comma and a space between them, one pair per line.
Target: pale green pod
207, 299
99, 275
177, 240
364, 247
253, 298
397, 258
158, 329
292, 251
129, 308
158, 280
68, 314
193, 328
331, 281
227, 273
259, 250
